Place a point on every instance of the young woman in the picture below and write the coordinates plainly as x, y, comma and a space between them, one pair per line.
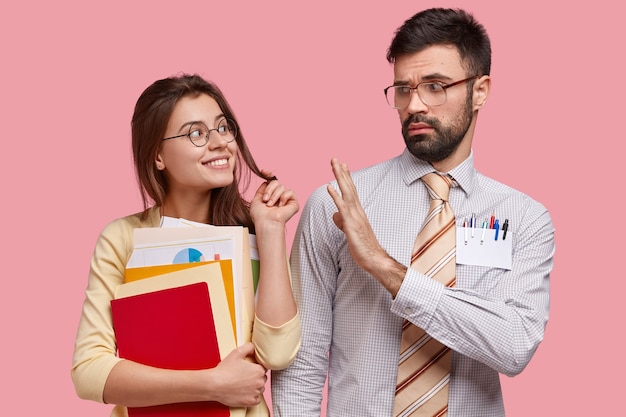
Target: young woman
191, 161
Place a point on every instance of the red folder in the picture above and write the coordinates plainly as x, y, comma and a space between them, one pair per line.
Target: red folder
171, 328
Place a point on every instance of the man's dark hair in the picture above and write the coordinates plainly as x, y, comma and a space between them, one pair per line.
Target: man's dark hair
440, 26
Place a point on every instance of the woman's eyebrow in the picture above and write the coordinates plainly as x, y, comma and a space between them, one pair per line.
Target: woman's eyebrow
187, 124
220, 117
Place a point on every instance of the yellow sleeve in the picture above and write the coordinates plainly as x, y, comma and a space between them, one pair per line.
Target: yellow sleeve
95, 348
276, 347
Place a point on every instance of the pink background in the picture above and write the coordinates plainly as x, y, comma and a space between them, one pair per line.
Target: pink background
305, 80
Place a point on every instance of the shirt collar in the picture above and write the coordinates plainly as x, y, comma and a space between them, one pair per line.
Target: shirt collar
414, 168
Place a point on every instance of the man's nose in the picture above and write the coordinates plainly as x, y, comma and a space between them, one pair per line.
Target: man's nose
416, 105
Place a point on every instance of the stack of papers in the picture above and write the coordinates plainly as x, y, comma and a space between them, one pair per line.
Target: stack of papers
187, 302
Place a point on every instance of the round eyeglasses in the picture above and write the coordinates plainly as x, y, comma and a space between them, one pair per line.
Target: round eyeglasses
431, 93
199, 132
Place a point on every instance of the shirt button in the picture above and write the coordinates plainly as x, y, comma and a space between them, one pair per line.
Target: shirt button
408, 311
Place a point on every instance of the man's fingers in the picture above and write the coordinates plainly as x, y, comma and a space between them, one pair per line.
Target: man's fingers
344, 180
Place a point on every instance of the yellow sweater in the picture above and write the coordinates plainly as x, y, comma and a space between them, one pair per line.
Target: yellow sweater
95, 349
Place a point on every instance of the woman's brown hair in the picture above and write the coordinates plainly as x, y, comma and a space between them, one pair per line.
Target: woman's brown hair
150, 118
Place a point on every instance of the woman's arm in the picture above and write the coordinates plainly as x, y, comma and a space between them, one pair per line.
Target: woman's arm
277, 329
236, 382
271, 208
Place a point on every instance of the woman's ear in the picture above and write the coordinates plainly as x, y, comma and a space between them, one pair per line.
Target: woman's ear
160, 165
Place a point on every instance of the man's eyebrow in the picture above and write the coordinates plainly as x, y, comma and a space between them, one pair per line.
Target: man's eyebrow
436, 76
425, 79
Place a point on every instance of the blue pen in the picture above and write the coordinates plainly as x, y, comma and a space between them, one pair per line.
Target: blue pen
473, 223
496, 225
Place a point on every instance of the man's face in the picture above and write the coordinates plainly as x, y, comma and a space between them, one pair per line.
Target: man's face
434, 133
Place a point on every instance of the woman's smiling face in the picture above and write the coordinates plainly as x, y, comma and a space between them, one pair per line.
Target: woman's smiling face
188, 167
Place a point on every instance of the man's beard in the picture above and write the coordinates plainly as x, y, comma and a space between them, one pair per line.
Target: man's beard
443, 141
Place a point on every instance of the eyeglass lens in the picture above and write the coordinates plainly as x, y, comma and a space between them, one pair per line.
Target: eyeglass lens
431, 94
199, 133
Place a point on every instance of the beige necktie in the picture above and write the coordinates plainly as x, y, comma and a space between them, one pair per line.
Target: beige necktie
424, 368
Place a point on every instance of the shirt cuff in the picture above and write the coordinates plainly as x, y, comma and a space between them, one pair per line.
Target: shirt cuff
417, 298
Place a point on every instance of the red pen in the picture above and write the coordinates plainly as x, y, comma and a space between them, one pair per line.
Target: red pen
492, 220
465, 230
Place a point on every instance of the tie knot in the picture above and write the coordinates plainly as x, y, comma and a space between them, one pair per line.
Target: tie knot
438, 186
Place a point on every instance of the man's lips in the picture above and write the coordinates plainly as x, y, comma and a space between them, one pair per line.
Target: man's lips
419, 128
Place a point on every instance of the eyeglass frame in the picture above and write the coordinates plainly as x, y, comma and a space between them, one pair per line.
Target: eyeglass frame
208, 133
444, 86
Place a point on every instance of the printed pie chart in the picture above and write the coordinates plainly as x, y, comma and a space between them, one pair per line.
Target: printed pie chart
188, 255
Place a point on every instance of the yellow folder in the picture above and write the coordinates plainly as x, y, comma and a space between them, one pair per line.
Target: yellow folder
186, 274
149, 239
142, 272
209, 273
